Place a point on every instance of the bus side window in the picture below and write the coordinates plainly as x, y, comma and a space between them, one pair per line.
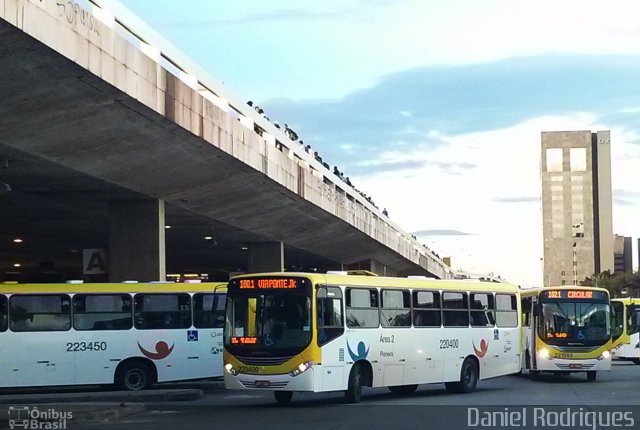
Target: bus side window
506, 310
4, 319
42, 312
162, 311
330, 323
102, 312
482, 310
208, 310
426, 309
455, 309
362, 308
395, 308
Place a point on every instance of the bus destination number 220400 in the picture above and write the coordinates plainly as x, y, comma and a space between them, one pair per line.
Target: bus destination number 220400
86, 346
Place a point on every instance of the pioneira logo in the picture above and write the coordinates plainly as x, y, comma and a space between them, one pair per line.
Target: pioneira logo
32, 418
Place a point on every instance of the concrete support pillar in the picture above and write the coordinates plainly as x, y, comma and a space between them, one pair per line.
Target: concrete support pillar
266, 257
137, 241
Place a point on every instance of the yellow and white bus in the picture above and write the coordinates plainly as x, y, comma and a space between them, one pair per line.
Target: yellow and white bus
566, 329
128, 334
311, 332
627, 312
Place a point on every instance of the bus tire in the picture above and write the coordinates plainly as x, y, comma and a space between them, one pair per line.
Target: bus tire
534, 375
591, 375
403, 389
635, 360
134, 375
283, 397
354, 389
468, 378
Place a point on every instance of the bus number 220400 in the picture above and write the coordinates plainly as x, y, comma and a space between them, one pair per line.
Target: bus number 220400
86, 346
449, 343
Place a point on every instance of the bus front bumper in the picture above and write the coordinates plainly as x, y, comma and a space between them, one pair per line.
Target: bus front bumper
566, 365
284, 382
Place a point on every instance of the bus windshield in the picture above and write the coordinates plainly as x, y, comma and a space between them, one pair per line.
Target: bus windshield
575, 323
271, 323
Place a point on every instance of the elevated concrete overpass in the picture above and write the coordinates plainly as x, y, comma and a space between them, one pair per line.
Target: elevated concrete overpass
108, 134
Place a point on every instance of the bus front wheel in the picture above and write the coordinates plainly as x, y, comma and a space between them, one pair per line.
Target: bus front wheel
354, 389
283, 397
468, 378
591, 375
134, 376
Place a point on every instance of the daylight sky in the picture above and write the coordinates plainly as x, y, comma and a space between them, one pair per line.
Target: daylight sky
434, 108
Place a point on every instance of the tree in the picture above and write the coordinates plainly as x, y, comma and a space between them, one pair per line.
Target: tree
618, 284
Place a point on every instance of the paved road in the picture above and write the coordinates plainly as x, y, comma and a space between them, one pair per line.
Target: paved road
429, 408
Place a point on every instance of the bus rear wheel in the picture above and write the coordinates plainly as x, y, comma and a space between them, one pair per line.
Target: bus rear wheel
354, 389
134, 376
468, 378
403, 389
283, 397
591, 375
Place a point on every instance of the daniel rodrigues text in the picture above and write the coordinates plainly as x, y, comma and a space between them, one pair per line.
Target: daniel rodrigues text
570, 417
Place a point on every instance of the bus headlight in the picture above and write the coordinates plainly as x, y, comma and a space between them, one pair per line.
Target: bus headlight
303, 367
605, 355
544, 353
229, 368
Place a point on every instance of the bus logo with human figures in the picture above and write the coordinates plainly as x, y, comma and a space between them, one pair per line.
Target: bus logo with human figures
483, 348
162, 351
361, 351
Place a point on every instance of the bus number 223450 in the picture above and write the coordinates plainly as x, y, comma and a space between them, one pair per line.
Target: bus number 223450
86, 346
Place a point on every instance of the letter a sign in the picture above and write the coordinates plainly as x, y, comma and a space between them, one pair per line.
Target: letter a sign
94, 261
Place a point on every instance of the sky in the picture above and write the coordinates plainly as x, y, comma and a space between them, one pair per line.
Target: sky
434, 108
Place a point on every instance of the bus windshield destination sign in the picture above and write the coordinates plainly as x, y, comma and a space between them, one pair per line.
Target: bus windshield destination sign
574, 294
271, 284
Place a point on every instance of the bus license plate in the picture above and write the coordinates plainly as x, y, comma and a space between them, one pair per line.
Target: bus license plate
575, 366
262, 383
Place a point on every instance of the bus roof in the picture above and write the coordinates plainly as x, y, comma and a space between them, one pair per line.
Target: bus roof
122, 287
391, 282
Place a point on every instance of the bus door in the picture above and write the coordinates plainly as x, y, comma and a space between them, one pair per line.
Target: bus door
619, 334
427, 363
456, 337
205, 338
397, 349
7, 376
506, 335
530, 335
330, 328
